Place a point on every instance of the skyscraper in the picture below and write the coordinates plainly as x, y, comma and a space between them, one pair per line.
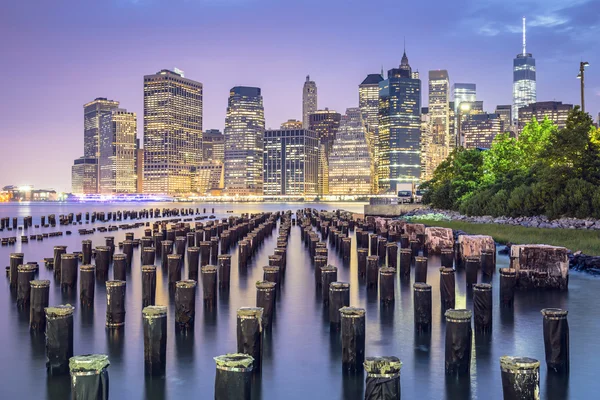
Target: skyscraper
479, 130
309, 101
349, 160
213, 145
399, 127
290, 162
172, 132
555, 111
93, 112
117, 161
524, 80
244, 141
441, 140
368, 101
505, 113
325, 123
463, 92
84, 175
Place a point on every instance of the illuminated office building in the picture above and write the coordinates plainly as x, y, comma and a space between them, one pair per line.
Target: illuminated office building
349, 160
399, 127
292, 124
479, 130
116, 164
208, 177
213, 145
290, 162
505, 113
524, 80
93, 112
325, 123
424, 142
309, 101
442, 140
172, 132
368, 101
139, 167
244, 141
84, 175
555, 111
463, 111
463, 92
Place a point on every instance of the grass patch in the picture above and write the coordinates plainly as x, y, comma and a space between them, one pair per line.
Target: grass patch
574, 239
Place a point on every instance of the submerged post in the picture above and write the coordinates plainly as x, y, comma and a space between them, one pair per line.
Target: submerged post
339, 296
155, 340
25, 275
383, 378
249, 333
224, 272
482, 307
508, 281
148, 285
265, 299
353, 338
387, 276
59, 338
405, 261
87, 284
209, 284
89, 377
39, 297
520, 378
185, 304
115, 304
233, 379
447, 288
421, 269
459, 336
328, 275
372, 271
15, 260
556, 339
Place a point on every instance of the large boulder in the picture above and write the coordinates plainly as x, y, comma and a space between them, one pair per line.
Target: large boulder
540, 266
473, 246
396, 226
412, 230
437, 238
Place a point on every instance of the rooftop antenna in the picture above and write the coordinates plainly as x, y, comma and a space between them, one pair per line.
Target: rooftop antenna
524, 37
404, 44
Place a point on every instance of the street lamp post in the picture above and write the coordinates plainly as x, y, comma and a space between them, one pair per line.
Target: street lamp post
581, 75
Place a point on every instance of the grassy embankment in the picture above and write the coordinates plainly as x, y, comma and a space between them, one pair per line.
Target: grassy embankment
574, 239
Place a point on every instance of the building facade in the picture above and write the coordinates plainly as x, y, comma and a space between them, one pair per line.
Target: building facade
208, 177
441, 140
368, 102
244, 141
555, 111
172, 132
505, 113
292, 124
463, 92
117, 160
84, 175
309, 101
213, 145
93, 112
291, 162
349, 160
399, 128
479, 130
325, 123
524, 80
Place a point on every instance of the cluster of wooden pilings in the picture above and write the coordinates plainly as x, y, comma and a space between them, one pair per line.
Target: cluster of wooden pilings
384, 257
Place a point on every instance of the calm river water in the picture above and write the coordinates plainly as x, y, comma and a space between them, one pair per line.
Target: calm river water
301, 359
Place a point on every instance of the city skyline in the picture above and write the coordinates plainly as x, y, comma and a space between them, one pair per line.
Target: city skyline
56, 71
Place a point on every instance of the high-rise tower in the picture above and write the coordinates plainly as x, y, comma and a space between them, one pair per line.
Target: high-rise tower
399, 127
116, 164
244, 141
441, 140
368, 101
309, 101
524, 79
172, 132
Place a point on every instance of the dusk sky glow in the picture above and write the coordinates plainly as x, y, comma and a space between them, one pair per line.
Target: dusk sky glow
58, 55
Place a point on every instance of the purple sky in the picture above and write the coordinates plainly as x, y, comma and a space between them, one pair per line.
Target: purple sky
58, 55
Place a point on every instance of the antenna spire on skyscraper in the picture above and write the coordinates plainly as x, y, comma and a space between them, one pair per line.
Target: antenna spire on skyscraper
524, 38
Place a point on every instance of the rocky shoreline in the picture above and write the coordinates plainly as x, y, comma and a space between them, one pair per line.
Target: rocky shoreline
539, 221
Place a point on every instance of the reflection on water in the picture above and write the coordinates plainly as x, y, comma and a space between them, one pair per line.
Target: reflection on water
302, 354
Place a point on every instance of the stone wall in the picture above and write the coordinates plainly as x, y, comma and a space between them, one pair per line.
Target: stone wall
473, 245
437, 239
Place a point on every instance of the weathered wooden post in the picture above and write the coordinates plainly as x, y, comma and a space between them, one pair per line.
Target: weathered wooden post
383, 378
447, 288
353, 338
185, 304
155, 340
115, 304
459, 336
233, 379
422, 307
148, 285
482, 307
249, 333
89, 377
59, 338
520, 378
39, 297
556, 339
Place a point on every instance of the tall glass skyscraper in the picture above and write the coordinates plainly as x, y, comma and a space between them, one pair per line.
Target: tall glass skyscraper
244, 141
325, 123
172, 132
117, 161
524, 80
463, 92
349, 160
92, 114
441, 139
399, 127
309, 100
290, 162
368, 101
